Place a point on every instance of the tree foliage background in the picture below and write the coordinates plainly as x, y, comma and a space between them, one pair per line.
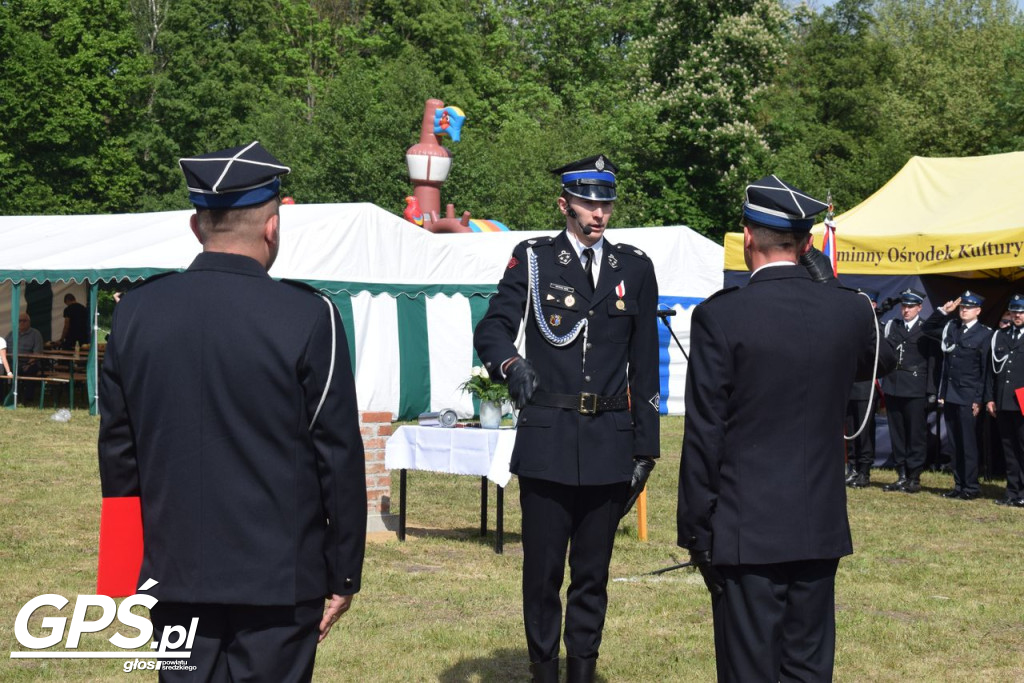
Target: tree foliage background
691, 98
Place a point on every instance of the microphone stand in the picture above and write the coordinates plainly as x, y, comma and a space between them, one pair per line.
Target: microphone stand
665, 570
665, 314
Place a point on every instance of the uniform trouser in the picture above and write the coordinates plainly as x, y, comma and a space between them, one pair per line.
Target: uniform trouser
584, 519
963, 430
776, 622
1011, 432
244, 643
908, 427
860, 451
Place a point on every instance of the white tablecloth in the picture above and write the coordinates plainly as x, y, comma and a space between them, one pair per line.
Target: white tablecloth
456, 450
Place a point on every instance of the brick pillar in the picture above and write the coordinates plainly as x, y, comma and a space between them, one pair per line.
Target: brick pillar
375, 429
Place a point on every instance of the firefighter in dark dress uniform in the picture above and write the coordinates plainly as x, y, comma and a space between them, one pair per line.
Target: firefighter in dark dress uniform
964, 342
860, 451
588, 389
908, 390
228, 411
762, 501
1004, 398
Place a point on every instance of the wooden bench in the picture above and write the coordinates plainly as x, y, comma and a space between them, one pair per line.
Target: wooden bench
61, 368
43, 380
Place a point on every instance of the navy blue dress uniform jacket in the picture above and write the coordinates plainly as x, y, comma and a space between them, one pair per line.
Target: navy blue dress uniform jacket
916, 356
209, 386
862, 391
561, 445
962, 380
771, 370
1000, 387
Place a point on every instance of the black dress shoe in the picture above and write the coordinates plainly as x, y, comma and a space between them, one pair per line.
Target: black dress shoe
862, 481
896, 485
1002, 501
969, 495
580, 669
912, 486
850, 477
952, 493
1017, 503
544, 672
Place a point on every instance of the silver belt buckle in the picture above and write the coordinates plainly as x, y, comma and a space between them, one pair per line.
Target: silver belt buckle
584, 408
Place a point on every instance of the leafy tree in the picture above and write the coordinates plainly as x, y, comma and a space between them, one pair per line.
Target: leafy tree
822, 113
951, 56
69, 78
699, 73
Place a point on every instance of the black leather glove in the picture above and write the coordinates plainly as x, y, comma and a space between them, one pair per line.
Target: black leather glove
642, 466
522, 381
712, 578
818, 265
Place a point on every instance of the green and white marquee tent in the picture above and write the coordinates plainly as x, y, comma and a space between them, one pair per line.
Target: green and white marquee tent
409, 298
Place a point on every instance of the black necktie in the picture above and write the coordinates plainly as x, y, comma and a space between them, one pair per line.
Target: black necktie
588, 253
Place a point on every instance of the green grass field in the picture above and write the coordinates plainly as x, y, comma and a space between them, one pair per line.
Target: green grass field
934, 591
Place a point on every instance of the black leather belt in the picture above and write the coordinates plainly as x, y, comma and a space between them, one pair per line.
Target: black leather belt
584, 403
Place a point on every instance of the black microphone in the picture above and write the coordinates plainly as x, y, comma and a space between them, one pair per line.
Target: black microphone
585, 228
666, 312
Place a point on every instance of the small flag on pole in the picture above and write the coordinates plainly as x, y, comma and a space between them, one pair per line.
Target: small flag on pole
828, 241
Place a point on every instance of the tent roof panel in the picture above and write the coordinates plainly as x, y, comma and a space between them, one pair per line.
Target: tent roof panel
937, 215
353, 245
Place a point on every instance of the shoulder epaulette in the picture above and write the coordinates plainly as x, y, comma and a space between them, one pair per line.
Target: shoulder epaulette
542, 241
151, 278
301, 285
721, 292
630, 249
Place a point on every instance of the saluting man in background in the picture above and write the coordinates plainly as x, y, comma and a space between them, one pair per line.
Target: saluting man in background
964, 342
588, 430
228, 409
1004, 398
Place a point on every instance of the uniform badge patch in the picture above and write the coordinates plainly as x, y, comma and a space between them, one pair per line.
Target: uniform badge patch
570, 300
656, 402
612, 261
554, 320
564, 257
513, 262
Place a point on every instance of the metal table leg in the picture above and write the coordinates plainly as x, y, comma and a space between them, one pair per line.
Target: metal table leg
499, 536
483, 506
401, 505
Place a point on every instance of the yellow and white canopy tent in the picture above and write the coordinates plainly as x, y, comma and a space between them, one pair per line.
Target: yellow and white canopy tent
937, 223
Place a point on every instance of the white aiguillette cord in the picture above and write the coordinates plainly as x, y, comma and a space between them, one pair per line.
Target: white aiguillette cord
533, 293
874, 374
330, 370
992, 356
